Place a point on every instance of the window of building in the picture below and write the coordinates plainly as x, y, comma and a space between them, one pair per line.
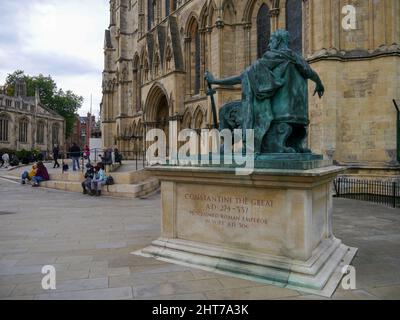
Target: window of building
40, 133
23, 131
150, 13
294, 24
8, 103
55, 134
3, 128
263, 30
194, 57
17, 104
167, 7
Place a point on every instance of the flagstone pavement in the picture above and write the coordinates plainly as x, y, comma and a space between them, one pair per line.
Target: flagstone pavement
89, 241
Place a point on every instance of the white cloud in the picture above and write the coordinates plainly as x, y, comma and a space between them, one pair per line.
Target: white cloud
56, 37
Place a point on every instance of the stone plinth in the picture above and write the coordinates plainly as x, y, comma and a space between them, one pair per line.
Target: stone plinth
274, 226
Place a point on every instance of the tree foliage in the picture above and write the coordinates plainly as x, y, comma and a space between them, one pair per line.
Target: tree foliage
65, 103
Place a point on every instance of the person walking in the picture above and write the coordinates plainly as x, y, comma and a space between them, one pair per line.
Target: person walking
75, 154
41, 175
6, 160
99, 180
56, 156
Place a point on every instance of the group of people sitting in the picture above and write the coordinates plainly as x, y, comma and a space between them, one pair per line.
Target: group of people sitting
37, 175
95, 179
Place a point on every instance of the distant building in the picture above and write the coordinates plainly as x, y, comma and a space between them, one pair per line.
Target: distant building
84, 129
26, 124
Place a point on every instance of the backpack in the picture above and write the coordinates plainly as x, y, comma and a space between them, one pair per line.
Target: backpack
109, 181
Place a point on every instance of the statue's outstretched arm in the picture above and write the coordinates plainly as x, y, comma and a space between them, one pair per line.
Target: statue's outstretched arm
308, 73
231, 81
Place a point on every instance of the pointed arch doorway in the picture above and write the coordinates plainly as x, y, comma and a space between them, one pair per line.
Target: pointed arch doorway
157, 111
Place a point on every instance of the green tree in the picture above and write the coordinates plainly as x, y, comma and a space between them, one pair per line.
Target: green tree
64, 103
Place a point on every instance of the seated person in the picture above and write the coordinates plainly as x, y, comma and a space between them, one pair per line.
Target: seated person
41, 175
87, 183
118, 156
28, 175
65, 166
99, 180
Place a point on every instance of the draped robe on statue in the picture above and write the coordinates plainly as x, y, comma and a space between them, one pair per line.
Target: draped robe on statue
275, 89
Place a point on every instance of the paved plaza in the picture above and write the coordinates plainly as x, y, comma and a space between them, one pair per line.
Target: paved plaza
89, 241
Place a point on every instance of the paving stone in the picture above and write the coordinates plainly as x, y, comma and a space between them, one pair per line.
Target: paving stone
5, 290
386, 293
91, 250
174, 288
153, 278
100, 294
252, 293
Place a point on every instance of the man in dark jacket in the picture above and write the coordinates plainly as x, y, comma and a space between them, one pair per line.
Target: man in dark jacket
75, 154
56, 156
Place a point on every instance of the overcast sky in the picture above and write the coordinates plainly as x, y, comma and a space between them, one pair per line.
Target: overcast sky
61, 38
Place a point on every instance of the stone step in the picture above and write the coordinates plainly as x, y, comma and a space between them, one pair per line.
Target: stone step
140, 189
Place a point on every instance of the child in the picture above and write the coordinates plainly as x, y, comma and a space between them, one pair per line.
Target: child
29, 175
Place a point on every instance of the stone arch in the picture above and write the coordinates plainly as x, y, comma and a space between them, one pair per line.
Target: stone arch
23, 129
229, 12
211, 19
193, 55
192, 18
203, 16
187, 119
229, 39
252, 20
157, 94
40, 131
251, 5
199, 119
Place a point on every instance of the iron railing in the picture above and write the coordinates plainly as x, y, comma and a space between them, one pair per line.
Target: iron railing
385, 193
98, 155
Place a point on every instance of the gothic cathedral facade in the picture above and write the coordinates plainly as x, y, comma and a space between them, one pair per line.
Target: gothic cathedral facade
157, 51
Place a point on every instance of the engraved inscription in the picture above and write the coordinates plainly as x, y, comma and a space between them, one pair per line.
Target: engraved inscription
228, 211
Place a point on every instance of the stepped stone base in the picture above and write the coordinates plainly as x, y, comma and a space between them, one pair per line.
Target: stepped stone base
272, 226
72, 183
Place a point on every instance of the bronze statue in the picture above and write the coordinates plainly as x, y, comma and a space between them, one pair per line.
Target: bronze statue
274, 99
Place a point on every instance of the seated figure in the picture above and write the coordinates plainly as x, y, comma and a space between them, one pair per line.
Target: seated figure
274, 99
28, 175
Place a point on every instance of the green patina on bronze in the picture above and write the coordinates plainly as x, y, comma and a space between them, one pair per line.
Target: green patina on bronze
274, 99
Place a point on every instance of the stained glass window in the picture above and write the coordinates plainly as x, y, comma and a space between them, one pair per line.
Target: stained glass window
263, 30
294, 24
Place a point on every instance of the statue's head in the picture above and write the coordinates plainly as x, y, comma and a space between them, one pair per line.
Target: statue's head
279, 39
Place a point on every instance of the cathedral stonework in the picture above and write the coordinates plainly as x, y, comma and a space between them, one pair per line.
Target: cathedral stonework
157, 53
